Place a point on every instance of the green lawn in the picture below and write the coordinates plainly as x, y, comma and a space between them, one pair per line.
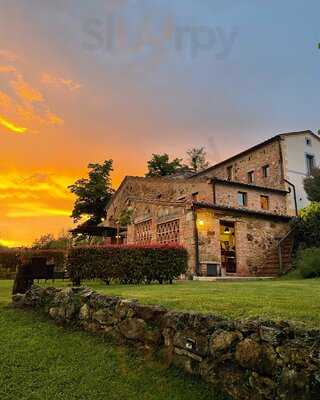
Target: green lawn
41, 361
296, 300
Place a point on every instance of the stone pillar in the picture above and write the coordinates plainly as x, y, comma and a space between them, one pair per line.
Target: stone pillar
241, 248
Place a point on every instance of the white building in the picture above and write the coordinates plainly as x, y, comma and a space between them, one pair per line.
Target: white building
301, 153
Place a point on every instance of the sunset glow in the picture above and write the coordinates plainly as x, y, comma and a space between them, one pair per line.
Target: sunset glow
11, 127
74, 92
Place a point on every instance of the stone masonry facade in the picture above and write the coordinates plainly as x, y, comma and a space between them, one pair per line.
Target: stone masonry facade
191, 212
268, 155
245, 359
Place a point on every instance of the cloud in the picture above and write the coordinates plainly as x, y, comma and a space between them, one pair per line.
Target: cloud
9, 243
24, 90
35, 186
36, 210
9, 55
55, 81
11, 126
23, 106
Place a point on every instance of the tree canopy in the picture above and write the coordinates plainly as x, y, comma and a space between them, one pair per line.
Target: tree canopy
312, 185
160, 165
197, 159
93, 193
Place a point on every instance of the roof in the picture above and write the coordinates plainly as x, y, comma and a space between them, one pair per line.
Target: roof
262, 214
255, 147
250, 186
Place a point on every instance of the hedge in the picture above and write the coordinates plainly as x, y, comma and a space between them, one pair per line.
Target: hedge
9, 259
129, 264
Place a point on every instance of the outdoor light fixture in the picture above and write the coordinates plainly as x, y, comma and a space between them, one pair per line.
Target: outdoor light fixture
200, 222
226, 229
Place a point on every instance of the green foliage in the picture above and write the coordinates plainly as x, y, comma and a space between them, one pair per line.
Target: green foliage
125, 217
159, 165
197, 159
308, 262
307, 232
93, 193
48, 241
312, 185
127, 264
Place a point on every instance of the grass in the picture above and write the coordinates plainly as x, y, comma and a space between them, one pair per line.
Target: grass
293, 299
41, 361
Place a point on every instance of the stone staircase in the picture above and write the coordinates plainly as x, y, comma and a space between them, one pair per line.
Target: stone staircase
272, 265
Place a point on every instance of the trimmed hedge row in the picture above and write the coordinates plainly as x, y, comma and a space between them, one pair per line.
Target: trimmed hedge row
128, 264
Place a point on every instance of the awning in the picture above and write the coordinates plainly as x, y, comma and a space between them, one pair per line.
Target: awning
91, 230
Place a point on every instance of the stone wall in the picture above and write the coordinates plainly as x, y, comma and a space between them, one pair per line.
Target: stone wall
227, 195
269, 154
256, 360
134, 191
256, 240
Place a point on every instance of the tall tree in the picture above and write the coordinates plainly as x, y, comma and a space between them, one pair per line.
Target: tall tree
197, 159
312, 185
160, 165
93, 193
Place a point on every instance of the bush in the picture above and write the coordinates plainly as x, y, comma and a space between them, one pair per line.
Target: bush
128, 264
308, 262
306, 227
10, 258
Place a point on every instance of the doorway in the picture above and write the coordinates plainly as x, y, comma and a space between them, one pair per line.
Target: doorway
228, 247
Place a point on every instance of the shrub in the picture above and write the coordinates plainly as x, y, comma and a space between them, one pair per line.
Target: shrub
10, 258
127, 264
308, 262
307, 232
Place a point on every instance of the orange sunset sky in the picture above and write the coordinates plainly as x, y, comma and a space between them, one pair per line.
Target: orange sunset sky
68, 98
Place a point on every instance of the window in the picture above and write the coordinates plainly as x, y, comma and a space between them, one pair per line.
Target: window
251, 177
266, 171
264, 201
143, 232
310, 163
242, 199
168, 232
308, 141
230, 173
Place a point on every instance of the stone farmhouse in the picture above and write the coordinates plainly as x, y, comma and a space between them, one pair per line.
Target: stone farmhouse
233, 218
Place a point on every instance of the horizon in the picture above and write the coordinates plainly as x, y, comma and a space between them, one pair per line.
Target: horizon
82, 83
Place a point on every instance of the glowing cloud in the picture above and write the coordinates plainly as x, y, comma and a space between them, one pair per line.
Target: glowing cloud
25, 91
52, 80
12, 127
23, 101
8, 243
36, 211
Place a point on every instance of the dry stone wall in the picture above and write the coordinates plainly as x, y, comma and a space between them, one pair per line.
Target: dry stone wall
256, 360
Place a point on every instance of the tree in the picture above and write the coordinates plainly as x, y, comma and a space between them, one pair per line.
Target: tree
43, 242
159, 165
48, 241
93, 193
197, 159
312, 185
306, 227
